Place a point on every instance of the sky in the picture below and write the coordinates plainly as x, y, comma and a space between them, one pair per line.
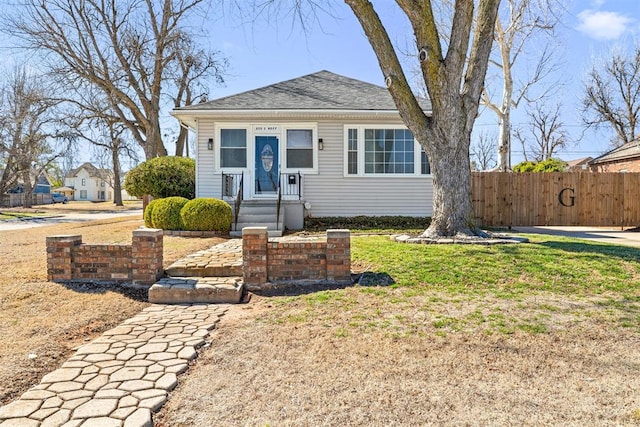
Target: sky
273, 49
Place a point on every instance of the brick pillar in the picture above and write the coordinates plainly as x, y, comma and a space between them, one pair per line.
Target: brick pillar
338, 255
146, 256
60, 257
254, 255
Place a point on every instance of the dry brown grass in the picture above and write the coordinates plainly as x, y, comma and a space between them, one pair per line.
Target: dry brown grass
279, 361
49, 319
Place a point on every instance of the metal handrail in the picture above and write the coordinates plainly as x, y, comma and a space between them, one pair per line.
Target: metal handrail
238, 201
235, 191
278, 203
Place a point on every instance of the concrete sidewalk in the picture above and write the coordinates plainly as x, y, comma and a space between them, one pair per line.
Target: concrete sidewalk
612, 235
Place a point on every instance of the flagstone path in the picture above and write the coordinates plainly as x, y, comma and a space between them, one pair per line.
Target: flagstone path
123, 376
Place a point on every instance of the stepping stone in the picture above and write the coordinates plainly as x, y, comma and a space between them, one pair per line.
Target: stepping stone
192, 290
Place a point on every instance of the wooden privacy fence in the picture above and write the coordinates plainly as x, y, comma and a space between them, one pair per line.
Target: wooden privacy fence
559, 198
12, 200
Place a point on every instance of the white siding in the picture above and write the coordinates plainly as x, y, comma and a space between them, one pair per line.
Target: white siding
332, 194
208, 183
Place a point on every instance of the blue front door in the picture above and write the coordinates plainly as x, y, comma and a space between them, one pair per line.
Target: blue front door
266, 172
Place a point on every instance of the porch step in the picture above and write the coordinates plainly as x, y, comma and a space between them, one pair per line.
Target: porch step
197, 290
259, 213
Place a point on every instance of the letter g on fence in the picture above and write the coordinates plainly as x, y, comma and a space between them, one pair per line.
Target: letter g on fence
567, 201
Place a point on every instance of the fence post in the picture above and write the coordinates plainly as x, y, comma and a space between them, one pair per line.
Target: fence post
60, 257
338, 255
146, 256
254, 255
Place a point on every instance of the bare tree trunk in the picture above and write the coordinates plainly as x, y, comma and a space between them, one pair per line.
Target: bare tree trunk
452, 209
28, 189
504, 141
117, 188
182, 142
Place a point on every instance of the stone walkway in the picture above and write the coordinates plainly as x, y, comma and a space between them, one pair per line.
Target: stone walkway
123, 376
213, 275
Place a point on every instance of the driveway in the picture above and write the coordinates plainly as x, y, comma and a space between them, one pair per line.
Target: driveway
32, 222
613, 235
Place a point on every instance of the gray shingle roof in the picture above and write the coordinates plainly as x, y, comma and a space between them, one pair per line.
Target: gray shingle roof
323, 90
630, 150
93, 171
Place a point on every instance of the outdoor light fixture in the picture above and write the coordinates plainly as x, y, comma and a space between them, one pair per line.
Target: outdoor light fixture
210, 144
320, 144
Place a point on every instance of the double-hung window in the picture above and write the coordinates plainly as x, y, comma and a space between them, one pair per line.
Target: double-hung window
233, 148
372, 151
299, 148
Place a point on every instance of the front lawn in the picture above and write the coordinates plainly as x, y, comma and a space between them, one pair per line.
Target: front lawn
543, 333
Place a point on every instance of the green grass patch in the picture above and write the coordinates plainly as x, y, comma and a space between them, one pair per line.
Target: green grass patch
550, 284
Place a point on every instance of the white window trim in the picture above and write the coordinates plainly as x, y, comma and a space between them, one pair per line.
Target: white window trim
280, 133
313, 127
417, 154
217, 146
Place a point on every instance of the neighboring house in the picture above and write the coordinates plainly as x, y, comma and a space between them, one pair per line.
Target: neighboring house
43, 185
90, 183
578, 165
326, 144
625, 158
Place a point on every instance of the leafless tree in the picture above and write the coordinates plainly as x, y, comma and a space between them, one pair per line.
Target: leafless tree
191, 69
545, 134
32, 131
612, 95
519, 23
454, 76
125, 48
483, 152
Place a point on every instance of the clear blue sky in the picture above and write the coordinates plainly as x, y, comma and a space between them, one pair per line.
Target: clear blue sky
269, 51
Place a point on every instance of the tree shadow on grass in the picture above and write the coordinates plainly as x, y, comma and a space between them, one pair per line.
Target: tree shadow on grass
305, 287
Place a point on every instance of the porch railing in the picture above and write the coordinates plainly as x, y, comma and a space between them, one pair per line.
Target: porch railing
289, 184
233, 187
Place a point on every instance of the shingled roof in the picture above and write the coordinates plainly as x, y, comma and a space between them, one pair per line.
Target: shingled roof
630, 150
93, 171
323, 90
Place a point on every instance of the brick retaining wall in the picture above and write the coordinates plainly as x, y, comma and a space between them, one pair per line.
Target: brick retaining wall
273, 261
68, 259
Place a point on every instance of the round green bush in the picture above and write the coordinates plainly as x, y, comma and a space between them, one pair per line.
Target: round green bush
148, 220
205, 214
166, 213
163, 177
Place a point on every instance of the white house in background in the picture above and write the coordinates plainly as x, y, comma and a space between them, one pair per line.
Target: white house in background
90, 183
318, 145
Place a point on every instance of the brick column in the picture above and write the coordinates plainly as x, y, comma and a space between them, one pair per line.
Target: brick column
60, 257
338, 255
146, 256
254, 255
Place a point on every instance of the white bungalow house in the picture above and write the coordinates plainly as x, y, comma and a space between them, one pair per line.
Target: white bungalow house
318, 145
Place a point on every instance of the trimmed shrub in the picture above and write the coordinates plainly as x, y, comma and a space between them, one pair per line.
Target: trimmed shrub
206, 214
148, 220
166, 213
163, 177
367, 223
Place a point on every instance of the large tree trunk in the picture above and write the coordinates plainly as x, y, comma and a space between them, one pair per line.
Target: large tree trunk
504, 141
117, 188
28, 189
452, 209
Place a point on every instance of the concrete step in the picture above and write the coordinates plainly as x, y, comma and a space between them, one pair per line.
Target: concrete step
197, 290
202, 270
272, 233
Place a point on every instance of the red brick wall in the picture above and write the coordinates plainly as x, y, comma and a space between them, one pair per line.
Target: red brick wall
628, 166
265, 261
141, 262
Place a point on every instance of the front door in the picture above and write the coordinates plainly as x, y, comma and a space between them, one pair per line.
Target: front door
266, 172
